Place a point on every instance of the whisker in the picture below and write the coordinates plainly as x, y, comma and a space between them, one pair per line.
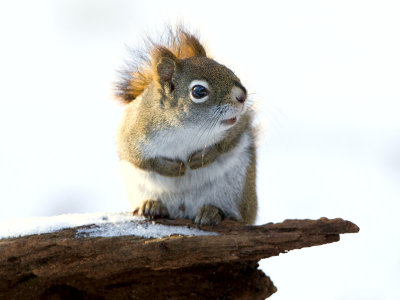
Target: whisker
208, 125
214, 123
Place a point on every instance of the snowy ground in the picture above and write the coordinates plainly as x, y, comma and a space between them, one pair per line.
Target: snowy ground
105, 225
325, 75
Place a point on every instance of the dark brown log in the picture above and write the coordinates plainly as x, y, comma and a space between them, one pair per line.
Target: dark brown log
61, 265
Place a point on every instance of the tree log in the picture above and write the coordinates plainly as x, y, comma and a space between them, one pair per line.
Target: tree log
64, 265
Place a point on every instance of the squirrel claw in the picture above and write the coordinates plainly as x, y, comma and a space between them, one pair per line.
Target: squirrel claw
152, 209
196, 160
202, 158
209, 215
169, 167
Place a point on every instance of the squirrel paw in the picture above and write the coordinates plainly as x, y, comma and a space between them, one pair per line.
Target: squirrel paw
209, 215
152, 209
169, 167
203, 158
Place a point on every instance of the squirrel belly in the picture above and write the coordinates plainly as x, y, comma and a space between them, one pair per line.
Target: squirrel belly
221, 184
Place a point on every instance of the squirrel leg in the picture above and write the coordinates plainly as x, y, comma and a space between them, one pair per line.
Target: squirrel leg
209, 215
152, 209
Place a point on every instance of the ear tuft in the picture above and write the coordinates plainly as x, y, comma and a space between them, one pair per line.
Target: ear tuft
186, 44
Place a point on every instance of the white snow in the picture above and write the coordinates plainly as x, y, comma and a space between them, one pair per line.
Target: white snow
105, 225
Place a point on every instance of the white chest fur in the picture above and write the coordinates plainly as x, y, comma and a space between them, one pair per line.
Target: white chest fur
180, 143
220, 184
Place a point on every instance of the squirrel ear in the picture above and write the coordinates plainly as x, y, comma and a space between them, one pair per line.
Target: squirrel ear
165, 69
166, 64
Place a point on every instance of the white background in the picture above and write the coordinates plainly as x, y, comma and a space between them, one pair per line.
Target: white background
325, 75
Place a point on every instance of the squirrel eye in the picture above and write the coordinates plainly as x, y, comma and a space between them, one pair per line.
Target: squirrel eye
199, 91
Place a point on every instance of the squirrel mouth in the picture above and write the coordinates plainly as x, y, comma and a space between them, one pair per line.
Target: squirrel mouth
230, 121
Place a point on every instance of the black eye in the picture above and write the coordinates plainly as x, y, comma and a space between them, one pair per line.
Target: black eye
199, 91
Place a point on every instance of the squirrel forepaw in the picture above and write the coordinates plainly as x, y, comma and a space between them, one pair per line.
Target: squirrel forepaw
209, 215
152, 209
169, 167
203, 158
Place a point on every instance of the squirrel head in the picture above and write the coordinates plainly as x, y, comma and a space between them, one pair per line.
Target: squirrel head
179, 84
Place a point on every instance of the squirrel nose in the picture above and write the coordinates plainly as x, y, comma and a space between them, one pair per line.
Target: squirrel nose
241, 98
239, 94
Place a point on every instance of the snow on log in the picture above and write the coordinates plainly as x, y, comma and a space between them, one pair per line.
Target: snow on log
108, 261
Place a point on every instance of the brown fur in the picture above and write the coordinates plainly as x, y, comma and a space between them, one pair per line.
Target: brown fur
248, 206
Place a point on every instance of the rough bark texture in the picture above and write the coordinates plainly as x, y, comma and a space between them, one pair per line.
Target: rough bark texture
63, 266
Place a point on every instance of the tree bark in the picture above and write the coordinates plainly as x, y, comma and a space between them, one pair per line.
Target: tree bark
62, 265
